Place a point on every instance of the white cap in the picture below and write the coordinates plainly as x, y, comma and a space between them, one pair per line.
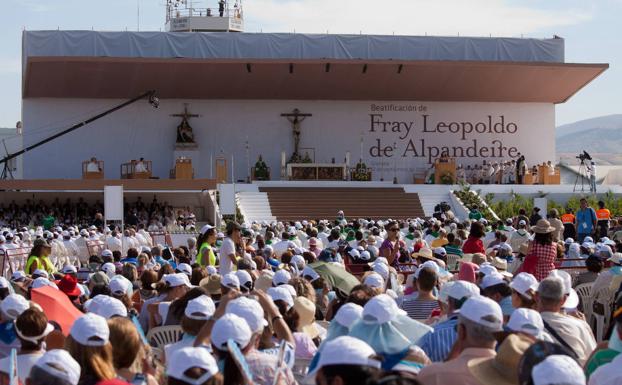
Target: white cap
190, 357
90, 330
107, 307
308, 271
281, 293
526, 321
491, 280
299, 261
106, 253
281, 277
109, 268
462, 289
487, 269
178, 279
13, 306
200, 308
231, 326
588, 239
41, 273
439, 251
523, 282
211, 270
120, 285
558, 369
381, 309
244, 278
345, 350
184, 268
42, 281
348, 314
483, 311
205, 228
569, 241
354, 253
231, 281
4, 283
18, 275
365, 255
573, 298
381, 269
374, 280
69, 269
382, 260
250, 310
616, 258
60, 364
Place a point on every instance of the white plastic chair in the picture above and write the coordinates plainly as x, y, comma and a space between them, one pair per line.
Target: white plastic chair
605, 298
160, 336
585, 295
452, 262
300, 369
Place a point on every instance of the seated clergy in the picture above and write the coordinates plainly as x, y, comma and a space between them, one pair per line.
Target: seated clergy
140, 166
93, 165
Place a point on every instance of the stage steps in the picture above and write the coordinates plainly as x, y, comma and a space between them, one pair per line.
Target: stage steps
254, 206
298, 203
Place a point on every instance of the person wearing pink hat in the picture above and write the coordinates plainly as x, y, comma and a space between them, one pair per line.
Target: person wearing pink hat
468, 272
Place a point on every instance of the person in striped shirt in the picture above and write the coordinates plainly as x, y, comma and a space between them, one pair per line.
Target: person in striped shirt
438, 343
419, 306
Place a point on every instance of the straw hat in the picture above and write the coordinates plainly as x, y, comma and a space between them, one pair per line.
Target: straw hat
542, 227
503, 368
306, 311
211, 284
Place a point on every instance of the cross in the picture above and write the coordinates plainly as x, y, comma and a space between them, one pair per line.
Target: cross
186, 114
297, 118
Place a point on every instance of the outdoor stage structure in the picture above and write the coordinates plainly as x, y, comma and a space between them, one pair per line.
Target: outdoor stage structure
394, 103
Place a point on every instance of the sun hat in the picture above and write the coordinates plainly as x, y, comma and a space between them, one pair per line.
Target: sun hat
381, 269
381, 309
503, 368
542, 227
483, 311
69, 285
281, 294
250, 310
309, 272
306, 312
13, 306
281, 277
348, 314
99, 278
69, 269
90, 330
40, 273
231, 281
344, 350
177, 279
231, 326
200, 308
264, 281
119, 285
184, 268
58, 363
211, 284
107, 307
109, 268
616, 258
18, 276
526, 321
192, 357
525, 284
558, 369
41, 282
426, 253
245, 279
573, 298
487, 269
460, 290
492, 279
374, 280
205, 228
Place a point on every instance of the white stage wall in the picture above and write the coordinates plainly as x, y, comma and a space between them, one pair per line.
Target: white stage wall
398, 138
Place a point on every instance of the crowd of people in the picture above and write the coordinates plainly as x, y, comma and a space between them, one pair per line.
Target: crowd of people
343, 301
505, 172
156, 215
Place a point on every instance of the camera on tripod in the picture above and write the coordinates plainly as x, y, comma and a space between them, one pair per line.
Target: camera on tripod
584, 156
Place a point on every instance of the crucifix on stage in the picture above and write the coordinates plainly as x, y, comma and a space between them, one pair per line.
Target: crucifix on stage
184, 131
295, 118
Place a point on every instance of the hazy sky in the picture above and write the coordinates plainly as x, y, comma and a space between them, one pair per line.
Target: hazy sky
591, 29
